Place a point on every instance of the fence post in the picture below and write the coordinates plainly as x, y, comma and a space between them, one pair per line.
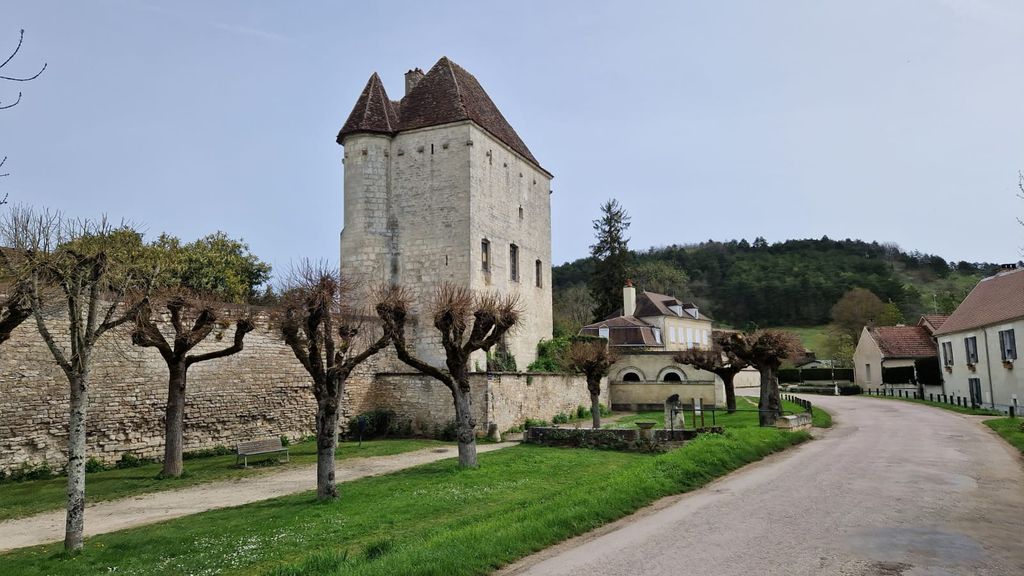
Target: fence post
931, 397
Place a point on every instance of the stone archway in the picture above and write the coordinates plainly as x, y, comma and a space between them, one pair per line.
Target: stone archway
631, 374
672, 374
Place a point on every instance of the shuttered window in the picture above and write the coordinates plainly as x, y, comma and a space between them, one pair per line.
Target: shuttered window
947, 353
1008, 344
971, 348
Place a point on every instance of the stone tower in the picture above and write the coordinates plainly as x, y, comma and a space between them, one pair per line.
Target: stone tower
439, 187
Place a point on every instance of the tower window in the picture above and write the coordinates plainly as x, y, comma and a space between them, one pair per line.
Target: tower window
520, 212
538, 272
513, 262
485, 255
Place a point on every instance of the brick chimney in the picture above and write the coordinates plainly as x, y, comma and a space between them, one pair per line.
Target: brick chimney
412, 78
628, 299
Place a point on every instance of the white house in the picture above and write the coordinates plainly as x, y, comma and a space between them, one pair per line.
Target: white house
978, 343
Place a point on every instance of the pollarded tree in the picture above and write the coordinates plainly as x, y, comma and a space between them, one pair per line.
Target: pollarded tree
726, 365
593, 357
467, 322
192, 320
87, 270
764, 350
14, 310
330, 337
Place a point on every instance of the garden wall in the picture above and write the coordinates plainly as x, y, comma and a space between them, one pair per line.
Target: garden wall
260, 392
505, 399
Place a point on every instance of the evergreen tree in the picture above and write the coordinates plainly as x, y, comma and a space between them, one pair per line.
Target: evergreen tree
612, 258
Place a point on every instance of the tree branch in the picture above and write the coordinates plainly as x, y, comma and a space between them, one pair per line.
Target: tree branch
242, 327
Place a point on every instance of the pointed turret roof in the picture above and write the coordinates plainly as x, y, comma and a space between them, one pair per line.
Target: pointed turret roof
373, 112
446, 94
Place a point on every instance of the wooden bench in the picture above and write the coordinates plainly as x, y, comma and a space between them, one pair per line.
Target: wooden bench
257, 447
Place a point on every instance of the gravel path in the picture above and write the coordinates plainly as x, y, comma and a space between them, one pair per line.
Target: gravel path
116, 515
894, 488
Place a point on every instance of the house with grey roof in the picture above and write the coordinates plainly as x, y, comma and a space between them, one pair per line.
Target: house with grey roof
648, 332
978, 342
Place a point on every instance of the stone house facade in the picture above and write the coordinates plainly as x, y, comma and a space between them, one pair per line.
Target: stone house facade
884, 347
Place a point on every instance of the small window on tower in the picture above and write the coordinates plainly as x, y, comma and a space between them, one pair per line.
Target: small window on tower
520, 212
485, 255
513, 262
538, 271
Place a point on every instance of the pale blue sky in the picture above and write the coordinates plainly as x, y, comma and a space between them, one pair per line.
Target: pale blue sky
880, 120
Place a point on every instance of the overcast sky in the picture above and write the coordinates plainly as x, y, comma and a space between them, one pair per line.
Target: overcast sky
879, 120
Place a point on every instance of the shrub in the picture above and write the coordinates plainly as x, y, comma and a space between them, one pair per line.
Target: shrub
129, 460
850, 389
501, 360
788, 375
448, 433
207, 452
377, 424
549, 355
28, 471
285, 441
535, 423
560, 418
94, 465
605, 411
582, 412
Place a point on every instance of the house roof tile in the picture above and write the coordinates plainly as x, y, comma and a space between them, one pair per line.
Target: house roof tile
446, 94
903, 341
995, 299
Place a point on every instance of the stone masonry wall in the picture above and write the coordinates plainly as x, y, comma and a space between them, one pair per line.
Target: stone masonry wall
259, 392
505, 399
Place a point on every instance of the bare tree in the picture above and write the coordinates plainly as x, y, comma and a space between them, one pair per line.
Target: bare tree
90, 269
593, 357
192, 319
764, 350
4, 76
330, 337
468, 322
726, 365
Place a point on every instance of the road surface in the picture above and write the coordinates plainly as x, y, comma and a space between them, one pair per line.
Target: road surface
894, 488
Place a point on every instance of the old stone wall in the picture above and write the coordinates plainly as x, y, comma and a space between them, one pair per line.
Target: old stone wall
504, 399
259, 392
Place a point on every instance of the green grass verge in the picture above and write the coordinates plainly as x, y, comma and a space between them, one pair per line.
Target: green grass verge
740, 419
950, 407
19, 499
429, 520
1011, 429
812, 337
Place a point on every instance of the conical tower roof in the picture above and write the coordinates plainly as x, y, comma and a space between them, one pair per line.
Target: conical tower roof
373, 112
446, 94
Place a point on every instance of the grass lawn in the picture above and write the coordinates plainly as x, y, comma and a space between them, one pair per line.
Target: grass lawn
19, 499
812, 337
739, 419
950, 407
429, 520
1011, 429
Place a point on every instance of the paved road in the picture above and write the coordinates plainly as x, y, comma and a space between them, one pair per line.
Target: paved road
894, 488
114, 515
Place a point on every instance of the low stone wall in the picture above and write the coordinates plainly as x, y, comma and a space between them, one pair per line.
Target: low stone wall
504, 399
608, 438
641, 396
260, 392
801, 421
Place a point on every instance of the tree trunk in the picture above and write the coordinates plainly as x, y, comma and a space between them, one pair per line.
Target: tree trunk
174, 422
766, 416
730, 392
75, 520
595, 402
326, 445
465, 424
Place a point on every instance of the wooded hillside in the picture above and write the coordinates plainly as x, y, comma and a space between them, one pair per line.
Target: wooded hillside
795, 282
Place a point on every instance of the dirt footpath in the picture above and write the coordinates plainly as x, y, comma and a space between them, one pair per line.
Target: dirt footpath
893, 489
116, 515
